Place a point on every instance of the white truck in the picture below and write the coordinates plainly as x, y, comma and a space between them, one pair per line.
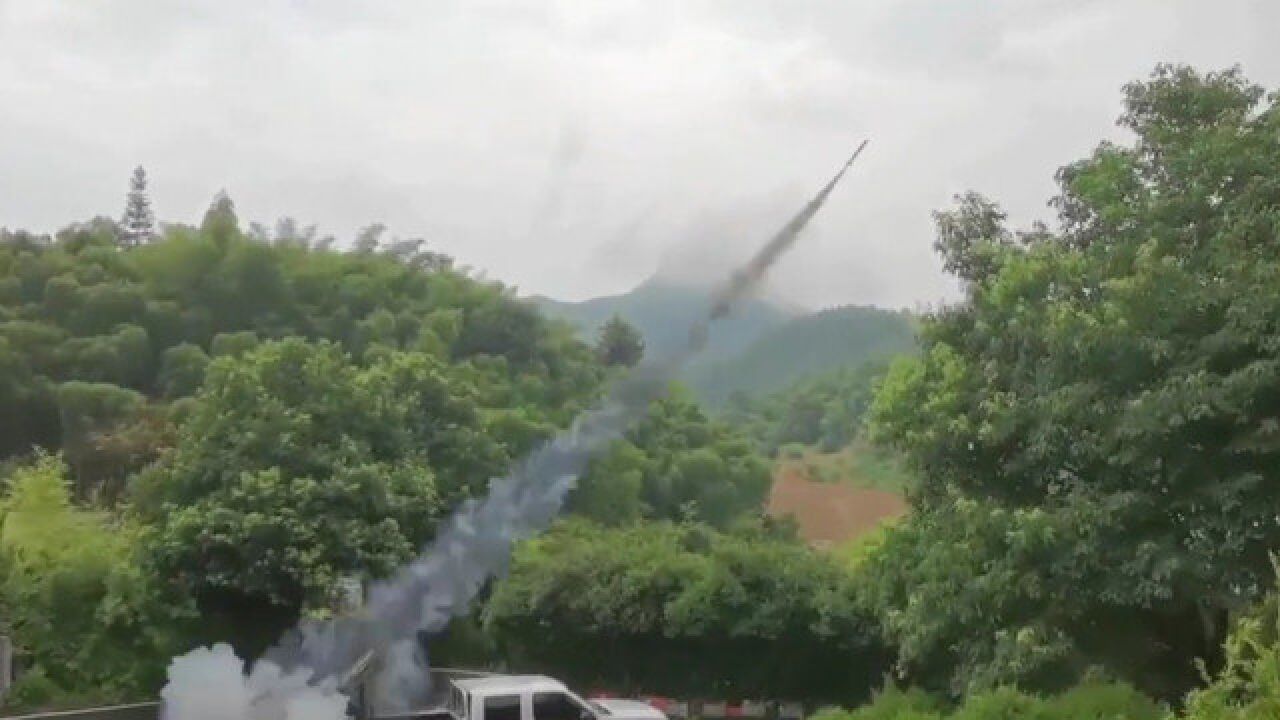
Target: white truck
532, 697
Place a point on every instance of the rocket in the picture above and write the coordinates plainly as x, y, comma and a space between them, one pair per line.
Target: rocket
746, 278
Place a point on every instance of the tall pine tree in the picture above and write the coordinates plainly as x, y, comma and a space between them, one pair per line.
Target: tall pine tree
138, 224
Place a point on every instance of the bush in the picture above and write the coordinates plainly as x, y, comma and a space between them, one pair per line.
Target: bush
84, 615
32, 689
792, 451
1249, 686
895, 704
1092, 700
1002, 704
34, 692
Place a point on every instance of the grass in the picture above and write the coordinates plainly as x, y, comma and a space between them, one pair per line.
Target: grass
860, 465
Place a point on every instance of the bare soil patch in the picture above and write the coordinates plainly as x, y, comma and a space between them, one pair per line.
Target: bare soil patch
830, 513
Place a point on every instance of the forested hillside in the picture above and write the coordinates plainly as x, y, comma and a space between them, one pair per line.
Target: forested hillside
97, 343
205, 430
663, 312
759, 349
805, 346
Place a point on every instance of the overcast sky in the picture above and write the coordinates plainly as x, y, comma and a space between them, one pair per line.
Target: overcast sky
573, 148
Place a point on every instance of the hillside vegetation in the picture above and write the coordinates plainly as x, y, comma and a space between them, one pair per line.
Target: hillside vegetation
824, 411
805, 346
759, 349
664, 311
205, 432
1094, 427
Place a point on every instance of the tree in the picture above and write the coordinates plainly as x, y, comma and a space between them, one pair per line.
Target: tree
684, 610
825, 410
220, 222
87, 617
970, 237
369, 238
31, 416
619, 343
1122, 370
1248, 688
182, 370
137, 226
74, 308
676, 463
296, 467
86, 411
501, 326
302, 414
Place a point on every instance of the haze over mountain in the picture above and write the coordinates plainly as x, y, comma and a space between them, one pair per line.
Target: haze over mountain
806, 345
762, 347
663, 311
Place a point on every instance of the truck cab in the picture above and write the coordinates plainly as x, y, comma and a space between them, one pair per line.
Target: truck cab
535, 697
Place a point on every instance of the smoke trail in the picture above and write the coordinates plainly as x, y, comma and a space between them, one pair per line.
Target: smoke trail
302, 674
745, 280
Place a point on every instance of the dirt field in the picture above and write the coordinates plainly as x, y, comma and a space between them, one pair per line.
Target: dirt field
830, 513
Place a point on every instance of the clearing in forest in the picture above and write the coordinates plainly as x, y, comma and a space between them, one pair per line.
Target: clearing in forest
829, 513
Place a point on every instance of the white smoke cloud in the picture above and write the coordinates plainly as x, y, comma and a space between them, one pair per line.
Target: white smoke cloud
209, 684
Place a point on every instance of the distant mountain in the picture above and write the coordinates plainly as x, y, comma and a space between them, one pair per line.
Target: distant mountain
763, 346
664, 312
806, 345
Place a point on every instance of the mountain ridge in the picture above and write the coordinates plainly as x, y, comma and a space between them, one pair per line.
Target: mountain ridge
761, 347
663, 311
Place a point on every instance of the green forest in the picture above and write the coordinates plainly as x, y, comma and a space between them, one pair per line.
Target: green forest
205, 432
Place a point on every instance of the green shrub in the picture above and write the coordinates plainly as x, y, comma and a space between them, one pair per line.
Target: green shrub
84, 616
1248, 688
32, 689
792, 451
1002, 704
1093, 700
890, 704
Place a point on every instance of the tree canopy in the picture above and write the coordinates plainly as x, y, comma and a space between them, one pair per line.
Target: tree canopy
685, 610
675, 464
826, 410
75, 309
619, 343
1096, 421
76, 596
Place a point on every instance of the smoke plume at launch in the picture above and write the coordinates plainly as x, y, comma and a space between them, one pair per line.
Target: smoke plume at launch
303, 675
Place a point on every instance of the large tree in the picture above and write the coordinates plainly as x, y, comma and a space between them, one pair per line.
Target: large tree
619, 343
675, 463
1124, 369
296, 467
